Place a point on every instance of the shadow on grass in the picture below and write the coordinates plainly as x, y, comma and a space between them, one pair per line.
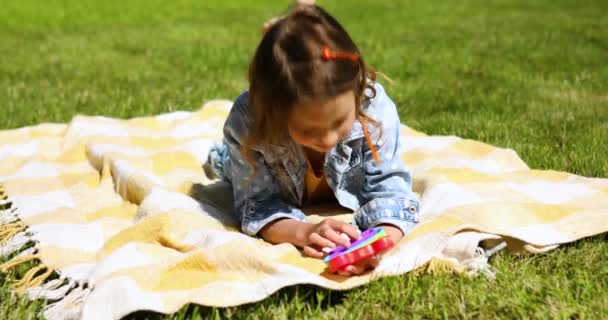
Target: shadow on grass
313, 297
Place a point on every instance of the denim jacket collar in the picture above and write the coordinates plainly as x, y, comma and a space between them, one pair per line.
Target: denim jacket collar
293, 161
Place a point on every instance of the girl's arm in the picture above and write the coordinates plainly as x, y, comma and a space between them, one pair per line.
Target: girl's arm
286, 230
308, 236
387, 185
257, 199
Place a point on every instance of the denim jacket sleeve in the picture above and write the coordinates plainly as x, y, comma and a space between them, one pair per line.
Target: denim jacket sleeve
257, 198
387, 188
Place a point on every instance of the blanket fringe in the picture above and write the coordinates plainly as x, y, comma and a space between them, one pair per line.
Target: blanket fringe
479, 263
7, 231
8, 216
5, 202
17, 261
29, 275
9, 221
437, 266
70, 307
30, 279
469, 268
3, 195
14, 238
6, 207
16, 243
27, 252
52, 290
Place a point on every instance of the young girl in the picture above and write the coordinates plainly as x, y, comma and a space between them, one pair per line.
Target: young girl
314, 127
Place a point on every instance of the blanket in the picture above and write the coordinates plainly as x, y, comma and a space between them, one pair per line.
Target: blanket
116, 216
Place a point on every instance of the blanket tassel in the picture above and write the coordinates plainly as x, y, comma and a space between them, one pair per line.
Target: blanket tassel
7, 210
30, 280
52, 290
7, 231
5, 202
8, 216
17, 261
479, 263
437, 266
16, 243
470, 268
69, 307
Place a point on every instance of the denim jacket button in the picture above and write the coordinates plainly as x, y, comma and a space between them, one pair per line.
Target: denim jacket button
414, 211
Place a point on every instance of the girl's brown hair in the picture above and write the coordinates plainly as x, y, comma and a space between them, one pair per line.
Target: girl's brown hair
288, 68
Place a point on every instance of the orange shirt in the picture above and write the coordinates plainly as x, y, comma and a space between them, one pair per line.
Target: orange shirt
317, 189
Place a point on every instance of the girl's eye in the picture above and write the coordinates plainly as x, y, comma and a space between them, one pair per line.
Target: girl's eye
338, 125
316, 133
308, 133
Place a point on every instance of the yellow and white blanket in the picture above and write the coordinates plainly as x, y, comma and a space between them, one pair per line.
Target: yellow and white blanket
122, 212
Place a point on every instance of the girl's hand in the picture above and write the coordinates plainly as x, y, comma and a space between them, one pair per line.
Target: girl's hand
326, 234
393, 233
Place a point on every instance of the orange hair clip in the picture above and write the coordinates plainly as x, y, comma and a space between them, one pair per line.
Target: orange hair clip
328, 54
369, 141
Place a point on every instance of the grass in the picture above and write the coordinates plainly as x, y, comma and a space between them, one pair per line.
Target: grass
526, 75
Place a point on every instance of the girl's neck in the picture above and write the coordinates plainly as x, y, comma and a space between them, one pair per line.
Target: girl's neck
312, 154
315, 159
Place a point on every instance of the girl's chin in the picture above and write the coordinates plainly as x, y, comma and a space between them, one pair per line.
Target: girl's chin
320, 149
316, 148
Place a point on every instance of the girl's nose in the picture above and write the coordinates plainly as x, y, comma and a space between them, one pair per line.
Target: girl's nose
329, 140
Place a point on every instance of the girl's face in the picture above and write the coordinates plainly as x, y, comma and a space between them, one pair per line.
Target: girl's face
319, 126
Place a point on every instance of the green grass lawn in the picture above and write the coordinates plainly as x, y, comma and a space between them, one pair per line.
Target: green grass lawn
527, 75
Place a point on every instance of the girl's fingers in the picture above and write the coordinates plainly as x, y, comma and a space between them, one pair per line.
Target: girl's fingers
344, 273
350, 230
335, 237
360, 267
312, 252
374, 261
343, 227
363, 265
321, 241
354, 269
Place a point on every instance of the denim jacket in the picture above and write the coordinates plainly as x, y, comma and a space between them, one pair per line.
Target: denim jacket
377, 193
